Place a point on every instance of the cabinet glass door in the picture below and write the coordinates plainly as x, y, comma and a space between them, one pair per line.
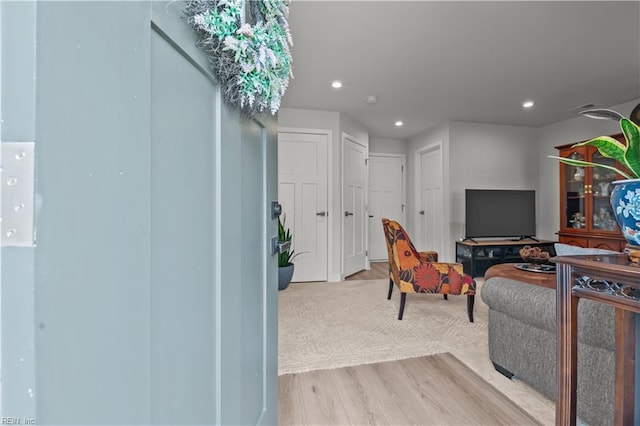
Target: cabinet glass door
574, 194
599, 194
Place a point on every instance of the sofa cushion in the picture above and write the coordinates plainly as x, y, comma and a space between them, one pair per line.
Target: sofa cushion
535, 305
531, 304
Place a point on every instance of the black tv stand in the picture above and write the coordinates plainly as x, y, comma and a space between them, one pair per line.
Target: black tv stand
478, 256
527, 237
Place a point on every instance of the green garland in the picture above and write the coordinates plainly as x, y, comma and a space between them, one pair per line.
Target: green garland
251, 62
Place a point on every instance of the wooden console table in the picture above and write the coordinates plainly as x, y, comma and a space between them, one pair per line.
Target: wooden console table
508, 270
609, 279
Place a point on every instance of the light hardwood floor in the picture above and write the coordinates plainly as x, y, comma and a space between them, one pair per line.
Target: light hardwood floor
431, 390
378, 270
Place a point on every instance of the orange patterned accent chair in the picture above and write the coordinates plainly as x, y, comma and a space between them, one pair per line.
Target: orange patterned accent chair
415, 272
427, 255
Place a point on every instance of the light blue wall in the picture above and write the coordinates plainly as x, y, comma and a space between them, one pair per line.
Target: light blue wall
92, 261
18, 119
130, 309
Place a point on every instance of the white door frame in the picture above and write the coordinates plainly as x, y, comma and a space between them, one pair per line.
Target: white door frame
328, 133
444, 201
344, 137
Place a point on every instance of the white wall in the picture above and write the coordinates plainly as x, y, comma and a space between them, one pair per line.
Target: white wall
489, 156
476, 155
337, 123
309, 119
354, 129
388, 146
573, 130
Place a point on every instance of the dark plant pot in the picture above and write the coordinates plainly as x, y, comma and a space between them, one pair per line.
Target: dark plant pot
285, 273
625, 201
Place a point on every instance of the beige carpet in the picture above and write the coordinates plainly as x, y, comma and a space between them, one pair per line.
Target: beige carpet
429, 390
331, 325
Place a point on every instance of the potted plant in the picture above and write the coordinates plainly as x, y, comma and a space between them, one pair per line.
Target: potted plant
285, 258
625, 196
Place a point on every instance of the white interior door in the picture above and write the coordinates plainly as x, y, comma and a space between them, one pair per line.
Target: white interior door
386, 198
430, 206
302, 191
354, 172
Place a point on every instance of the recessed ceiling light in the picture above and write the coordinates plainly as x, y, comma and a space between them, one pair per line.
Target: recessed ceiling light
399, 123
336, 84
527, 104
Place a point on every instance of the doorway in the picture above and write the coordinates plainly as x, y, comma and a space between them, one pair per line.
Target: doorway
386, 198
354, 194
430, 204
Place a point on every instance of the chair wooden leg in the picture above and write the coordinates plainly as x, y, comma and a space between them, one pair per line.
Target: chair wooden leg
470, 299
390, 288
403, 298
445, 297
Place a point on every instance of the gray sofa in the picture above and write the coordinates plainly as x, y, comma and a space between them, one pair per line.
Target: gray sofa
522, 343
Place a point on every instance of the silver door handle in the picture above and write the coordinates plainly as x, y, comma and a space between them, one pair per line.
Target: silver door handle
279, 247
347, 214
421, 212
283, 246
321, 214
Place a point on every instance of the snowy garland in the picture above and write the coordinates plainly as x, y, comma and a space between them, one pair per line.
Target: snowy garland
252, 62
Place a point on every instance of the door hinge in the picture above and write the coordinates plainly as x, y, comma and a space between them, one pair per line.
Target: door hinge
17, 172
366, 252
403, 207
402, 169
366, 161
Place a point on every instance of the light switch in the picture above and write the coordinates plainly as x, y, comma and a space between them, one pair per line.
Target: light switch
17, 174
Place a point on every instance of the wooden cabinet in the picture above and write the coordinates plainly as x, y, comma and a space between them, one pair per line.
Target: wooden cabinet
586, 216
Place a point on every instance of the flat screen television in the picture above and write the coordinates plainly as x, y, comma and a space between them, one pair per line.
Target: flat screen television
500, 213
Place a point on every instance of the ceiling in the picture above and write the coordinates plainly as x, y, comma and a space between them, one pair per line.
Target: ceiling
430, 62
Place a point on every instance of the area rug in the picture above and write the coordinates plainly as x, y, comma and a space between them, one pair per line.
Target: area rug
334, 325
430, 390
330, 325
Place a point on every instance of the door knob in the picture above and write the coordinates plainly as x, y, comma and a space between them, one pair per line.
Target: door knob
421, 212
321, 214
347, 214
276, 209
